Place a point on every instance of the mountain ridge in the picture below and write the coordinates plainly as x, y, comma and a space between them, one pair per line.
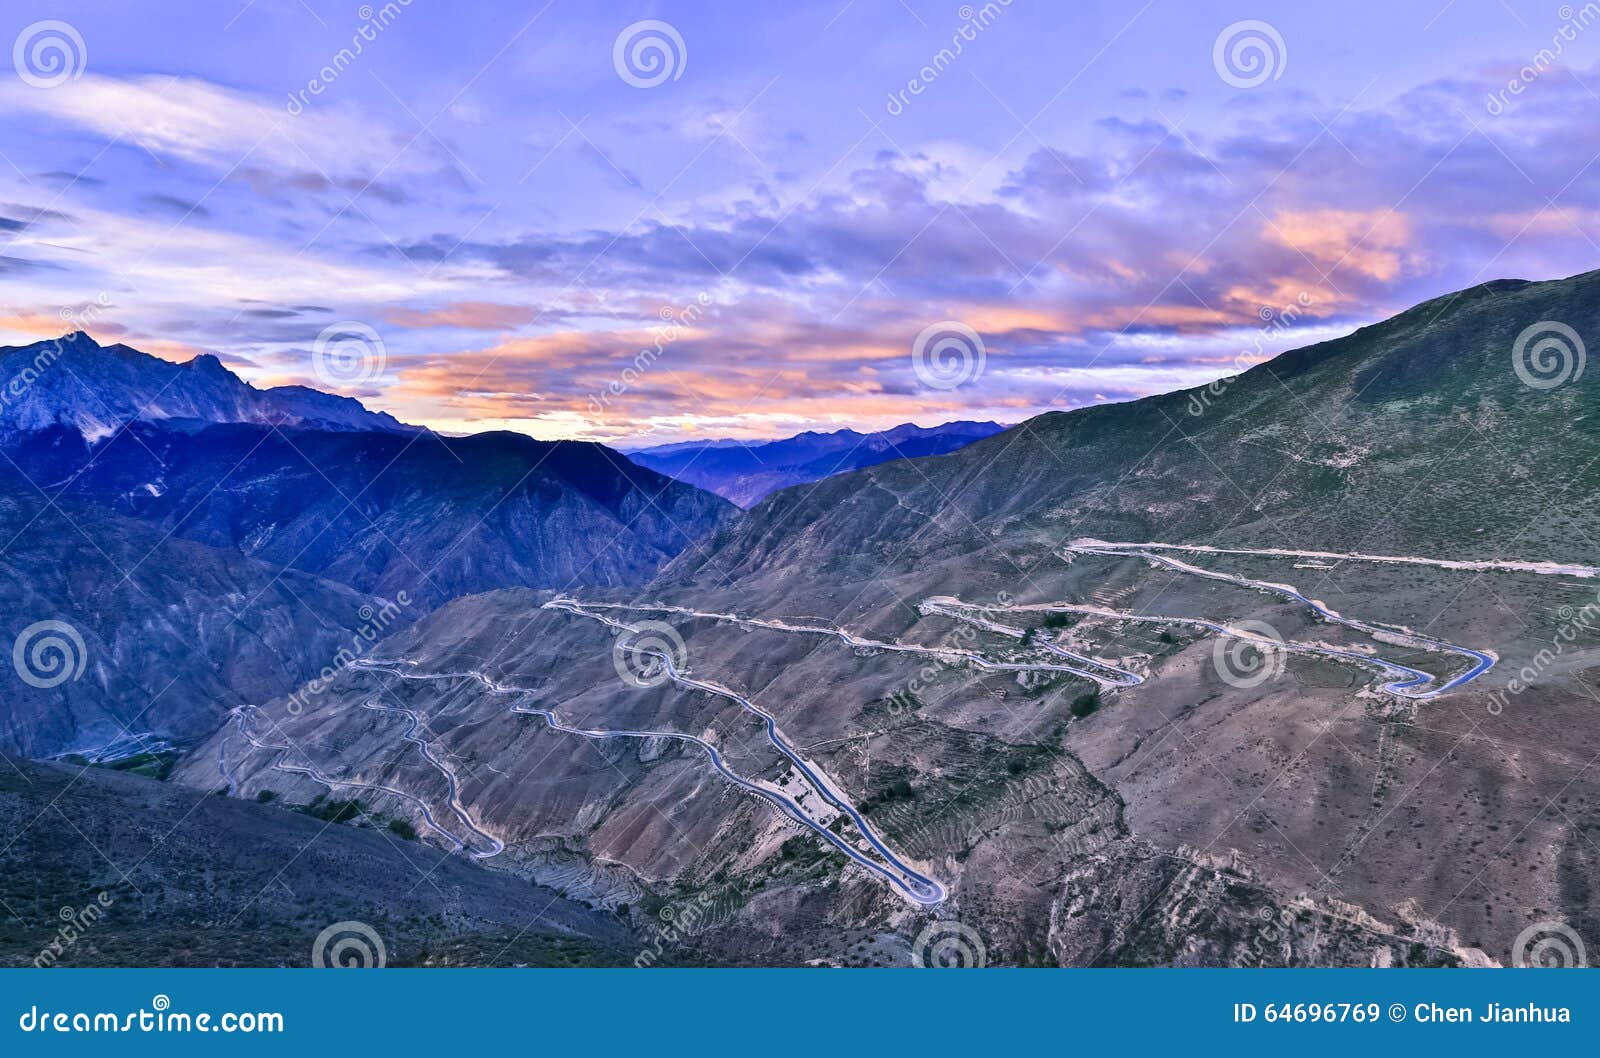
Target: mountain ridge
99, 387
747, 472
1324, 438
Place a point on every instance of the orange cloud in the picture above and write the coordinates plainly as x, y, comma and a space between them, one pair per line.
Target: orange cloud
1374, 243
1550, 221
467, 315
35, 324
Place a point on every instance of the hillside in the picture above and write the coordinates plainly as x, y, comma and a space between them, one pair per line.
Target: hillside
1053, 736
1411, 436
192, 879
386, 512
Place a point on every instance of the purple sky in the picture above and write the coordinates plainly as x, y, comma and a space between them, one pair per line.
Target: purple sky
480, 221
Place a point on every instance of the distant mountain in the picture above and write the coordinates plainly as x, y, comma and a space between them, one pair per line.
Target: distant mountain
190, 544
747, 472
74, 381
1418, 435
381, 511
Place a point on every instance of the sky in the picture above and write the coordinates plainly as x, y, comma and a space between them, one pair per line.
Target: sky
648, 222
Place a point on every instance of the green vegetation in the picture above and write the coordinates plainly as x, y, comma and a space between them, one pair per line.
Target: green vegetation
150, 765
1085, 704
403, 828
333, 811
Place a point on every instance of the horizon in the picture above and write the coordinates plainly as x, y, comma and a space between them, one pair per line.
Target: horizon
489, 220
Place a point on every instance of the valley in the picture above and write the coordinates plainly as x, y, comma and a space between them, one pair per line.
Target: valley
1309, 721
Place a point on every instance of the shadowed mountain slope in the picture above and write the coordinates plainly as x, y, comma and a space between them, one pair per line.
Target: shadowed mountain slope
387, 512
193, 879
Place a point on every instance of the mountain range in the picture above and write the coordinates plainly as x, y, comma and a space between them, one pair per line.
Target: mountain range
74, 381
212, 544
1155, 819
746, 472
918, 694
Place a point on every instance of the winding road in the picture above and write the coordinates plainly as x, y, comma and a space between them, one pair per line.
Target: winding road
279, 763
1407, 682
1547, 569
919, 888
1108, 675
1402, 681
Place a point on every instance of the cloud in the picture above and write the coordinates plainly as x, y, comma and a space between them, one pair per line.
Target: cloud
1138, 264
466, 315
192, 120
